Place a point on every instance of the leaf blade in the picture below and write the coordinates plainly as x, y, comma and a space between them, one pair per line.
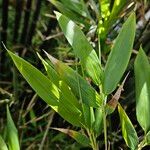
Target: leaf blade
142, 85
128, 131
48, 91
82, 48
119, 56
89, 96
11, 133
79, 137
70, 12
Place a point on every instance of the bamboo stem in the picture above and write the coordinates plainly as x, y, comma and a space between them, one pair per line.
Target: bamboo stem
17, 19
93, 140
3, 36
34, 22
26, 21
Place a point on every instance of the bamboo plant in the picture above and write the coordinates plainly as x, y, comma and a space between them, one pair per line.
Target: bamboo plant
67, 91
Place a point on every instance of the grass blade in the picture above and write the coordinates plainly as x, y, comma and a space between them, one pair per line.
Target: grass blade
11, 133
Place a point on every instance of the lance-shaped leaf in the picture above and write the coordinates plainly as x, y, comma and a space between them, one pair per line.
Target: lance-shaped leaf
142, 84
128, 131
87, 96
81, 47
74, 10
79, 137
49, 92
73, 80
79, 7
119, 55
11, 133
38, 81
53, 75
3, 145
68, 100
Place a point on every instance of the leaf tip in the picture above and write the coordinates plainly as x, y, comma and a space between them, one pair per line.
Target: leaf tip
133, 17
58, 14
51, 58
4, 46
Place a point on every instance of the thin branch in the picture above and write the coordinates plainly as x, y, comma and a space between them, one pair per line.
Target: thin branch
47, 129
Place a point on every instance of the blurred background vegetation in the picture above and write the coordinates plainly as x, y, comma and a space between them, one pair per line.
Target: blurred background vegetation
28, 26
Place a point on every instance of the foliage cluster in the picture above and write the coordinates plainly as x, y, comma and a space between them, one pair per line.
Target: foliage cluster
80, 89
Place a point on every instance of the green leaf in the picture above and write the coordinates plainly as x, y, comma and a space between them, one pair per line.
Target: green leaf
11, 133
38, 81
52, 74
119, 56
142, 84
62, 102
98, 124
128, 131
69, 101
111, 17
117, 8
89, 96
88, 114
75, 11
3, 145
81, 47
77, 6
79, 137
